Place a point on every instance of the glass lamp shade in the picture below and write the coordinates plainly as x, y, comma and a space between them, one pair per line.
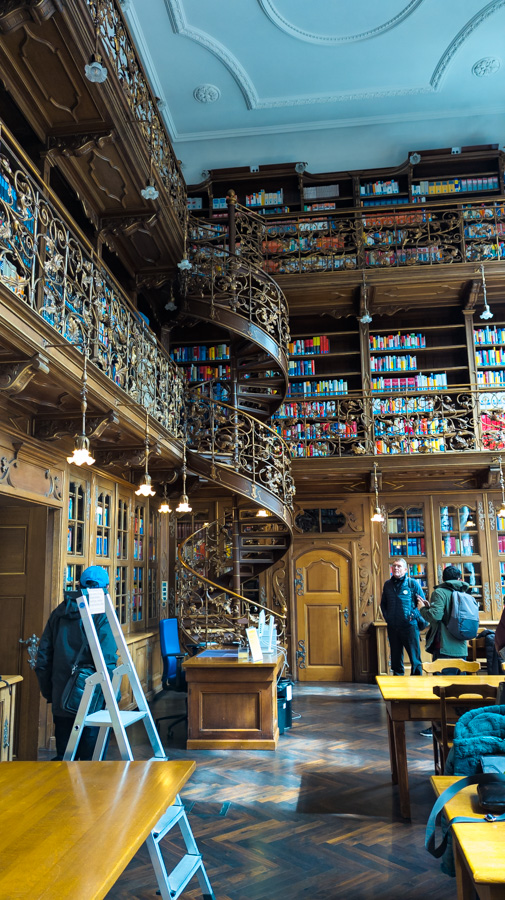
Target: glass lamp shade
184, 265
95, 72
486, 313
144, 488
164, 508
149, 192
184, 506
366, 318
81, 454
377, 516
501, 511
262, 514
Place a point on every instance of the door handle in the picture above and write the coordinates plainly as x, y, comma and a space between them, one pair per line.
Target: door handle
345, 614
32, 645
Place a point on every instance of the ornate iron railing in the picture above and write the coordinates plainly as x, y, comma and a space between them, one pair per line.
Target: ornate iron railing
422, 235
208, 612
48, 264
232, 439
232, 282
122, 54
454, 420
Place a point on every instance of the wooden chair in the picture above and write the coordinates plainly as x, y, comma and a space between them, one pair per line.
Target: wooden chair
462, 665
481, 694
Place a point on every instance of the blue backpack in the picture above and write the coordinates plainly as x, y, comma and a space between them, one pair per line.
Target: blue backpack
463, 621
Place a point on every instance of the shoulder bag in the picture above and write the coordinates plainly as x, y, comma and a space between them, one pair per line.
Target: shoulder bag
74, 688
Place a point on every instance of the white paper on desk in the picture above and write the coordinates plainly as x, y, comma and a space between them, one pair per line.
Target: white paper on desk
96, 601
254, 644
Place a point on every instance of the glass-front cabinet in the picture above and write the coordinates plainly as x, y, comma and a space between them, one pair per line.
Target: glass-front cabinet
461, 530
406, 538
77, 532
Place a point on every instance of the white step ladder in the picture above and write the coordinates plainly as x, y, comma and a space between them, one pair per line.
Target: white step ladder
170, 885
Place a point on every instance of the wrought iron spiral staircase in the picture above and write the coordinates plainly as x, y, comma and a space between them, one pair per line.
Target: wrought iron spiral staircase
227, 436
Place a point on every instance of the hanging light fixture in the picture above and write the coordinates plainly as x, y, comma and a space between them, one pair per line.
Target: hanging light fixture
377, 516
501, 511
150, 192
469, 522
262, 514
145, 488
81, 452
184, 506
486, 312
366, 317
95, 71
165, 505
184, 265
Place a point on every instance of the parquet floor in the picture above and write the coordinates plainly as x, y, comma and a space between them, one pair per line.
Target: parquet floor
316, 820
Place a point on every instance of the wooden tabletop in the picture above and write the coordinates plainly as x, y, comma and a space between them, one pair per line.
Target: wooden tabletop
420, 687
70, 828
481, 843
10, 679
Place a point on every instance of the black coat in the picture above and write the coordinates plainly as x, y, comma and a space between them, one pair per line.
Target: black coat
60, 644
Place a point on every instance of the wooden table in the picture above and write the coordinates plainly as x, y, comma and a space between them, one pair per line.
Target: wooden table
410, 698
70, 828
232, 704
478, 848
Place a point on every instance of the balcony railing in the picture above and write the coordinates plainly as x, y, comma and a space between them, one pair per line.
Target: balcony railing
455, 420
50, 267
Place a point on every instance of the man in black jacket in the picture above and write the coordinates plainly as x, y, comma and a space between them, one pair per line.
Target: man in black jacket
402, 598
59, 647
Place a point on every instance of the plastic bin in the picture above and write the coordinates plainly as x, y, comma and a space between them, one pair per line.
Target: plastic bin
284, 697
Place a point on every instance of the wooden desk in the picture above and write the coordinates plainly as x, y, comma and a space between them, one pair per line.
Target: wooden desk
232, 705
478, 849
70, 828
410, 698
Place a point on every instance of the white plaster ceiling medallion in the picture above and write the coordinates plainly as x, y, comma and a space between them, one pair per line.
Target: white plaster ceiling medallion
488, 65
461, 37
206, 93
302, 34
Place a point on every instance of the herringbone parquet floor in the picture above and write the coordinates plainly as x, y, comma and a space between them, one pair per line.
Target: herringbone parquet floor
316, 820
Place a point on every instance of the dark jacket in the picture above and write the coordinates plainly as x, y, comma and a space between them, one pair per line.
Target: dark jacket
437, 615
398, 602
60, 644
499, 639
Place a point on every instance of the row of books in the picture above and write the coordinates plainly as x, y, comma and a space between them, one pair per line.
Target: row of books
393, 363
206, 373
318, 191
396, 220
394, 341
501, 544
412, 383
301, 367
493, 357
412, 445
402, 405
313, 207
478, 252
200, 354
484, 211
302, 450
488, 377
500, 523
272, 210
454, 546
390, 201
302, 431
403, 255
306, 388
456, 185
396, 525
409, 546
412, 426
489, 335
417, 570
264, 198
484, 230
311, 409
309, 346
379, 187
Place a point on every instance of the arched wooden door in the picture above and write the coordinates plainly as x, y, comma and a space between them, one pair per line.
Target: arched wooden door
323, 616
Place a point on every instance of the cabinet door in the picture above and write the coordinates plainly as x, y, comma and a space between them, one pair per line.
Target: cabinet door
323, 616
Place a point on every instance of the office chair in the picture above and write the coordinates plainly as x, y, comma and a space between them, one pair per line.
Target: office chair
173, 676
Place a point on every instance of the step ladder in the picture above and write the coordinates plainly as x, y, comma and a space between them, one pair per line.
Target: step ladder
94, 601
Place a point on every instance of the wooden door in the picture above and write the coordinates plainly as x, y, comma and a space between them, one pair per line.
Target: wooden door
323, 616
24, 608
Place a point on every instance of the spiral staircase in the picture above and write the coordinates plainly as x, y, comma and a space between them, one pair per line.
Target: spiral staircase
228, 440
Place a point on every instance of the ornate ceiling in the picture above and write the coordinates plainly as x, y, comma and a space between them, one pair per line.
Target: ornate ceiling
336, 84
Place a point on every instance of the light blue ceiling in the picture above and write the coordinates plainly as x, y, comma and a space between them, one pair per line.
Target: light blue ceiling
337, 84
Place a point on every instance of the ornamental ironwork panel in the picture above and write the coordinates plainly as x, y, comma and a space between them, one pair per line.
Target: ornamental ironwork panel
44, 262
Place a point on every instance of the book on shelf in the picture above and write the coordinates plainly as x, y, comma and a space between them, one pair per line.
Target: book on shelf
489, 335
493, 357
319, 191
265, 198
489, 377
200, 353
411, 383
393, 363
306, 388
397, 341
309, 346
379, 187
410, 445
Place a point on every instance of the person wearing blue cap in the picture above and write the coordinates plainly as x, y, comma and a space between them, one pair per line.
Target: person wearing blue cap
60, 645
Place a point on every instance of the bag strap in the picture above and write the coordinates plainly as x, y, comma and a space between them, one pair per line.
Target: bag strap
79, 655
451, 791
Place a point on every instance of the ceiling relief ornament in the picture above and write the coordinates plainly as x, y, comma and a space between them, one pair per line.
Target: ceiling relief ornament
459, 40
488, 65
301, 34
207, 93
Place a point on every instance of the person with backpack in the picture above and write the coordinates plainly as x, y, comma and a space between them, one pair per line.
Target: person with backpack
442, 639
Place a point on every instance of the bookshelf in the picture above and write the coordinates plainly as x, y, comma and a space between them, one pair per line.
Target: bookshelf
500, 535
441, 174
460, 544
316, 418
489, 348
406, 538
203, 362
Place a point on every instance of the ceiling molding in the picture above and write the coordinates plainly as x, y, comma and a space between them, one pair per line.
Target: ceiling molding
283, 24
459, 40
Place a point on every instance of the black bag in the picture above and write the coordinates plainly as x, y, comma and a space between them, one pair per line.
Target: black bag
74, 688
491, 787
